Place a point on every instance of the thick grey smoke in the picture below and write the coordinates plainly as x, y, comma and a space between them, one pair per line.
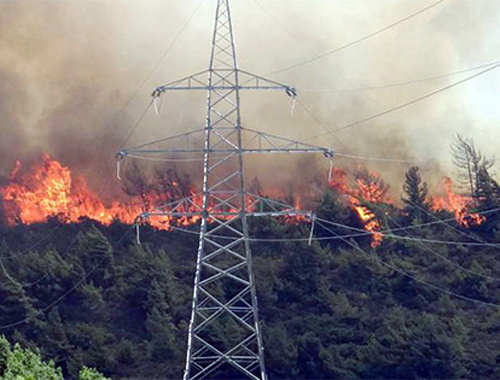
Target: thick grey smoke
67, 68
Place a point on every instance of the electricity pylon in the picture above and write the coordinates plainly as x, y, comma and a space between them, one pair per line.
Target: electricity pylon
224, 327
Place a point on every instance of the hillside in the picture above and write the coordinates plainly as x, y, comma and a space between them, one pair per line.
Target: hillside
90, 295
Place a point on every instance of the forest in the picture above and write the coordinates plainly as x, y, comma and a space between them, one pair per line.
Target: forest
423, 302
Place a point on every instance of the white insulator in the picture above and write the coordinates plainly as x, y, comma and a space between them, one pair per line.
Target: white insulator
330, 171
118, 169
155, 105
292, 109
138, 233
311, 234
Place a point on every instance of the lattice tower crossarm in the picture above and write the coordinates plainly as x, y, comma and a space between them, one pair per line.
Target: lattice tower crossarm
224, 327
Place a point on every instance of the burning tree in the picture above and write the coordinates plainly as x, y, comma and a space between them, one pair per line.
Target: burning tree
459, 205
371, 187
49, 189
370, 190
474, 172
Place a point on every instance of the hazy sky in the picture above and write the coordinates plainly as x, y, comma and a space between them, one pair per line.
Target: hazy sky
67, 66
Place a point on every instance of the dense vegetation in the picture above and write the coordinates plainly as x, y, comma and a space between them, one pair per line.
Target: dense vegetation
86, 295
17, 363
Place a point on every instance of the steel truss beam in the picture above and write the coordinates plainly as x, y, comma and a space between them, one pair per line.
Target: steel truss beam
224, 329
252, 142
222, 81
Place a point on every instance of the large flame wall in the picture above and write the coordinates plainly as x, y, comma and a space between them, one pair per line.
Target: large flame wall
49, 189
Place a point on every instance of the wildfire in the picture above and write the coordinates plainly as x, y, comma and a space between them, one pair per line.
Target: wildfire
369, 189
372, 190
371, 224
49, 190
459, 205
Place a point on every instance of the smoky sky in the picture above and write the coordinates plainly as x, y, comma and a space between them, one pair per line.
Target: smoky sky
67, 68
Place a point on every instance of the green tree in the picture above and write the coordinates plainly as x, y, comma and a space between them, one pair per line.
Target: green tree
95, 253
416, 194
90, 374
281, 352
487, 190
159, 323
21, 364
416, 191
25, 364
4, 354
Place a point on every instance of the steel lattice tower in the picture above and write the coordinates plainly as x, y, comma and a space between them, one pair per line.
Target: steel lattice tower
224, 327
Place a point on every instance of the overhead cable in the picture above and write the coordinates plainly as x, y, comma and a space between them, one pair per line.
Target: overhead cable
150, 73
404, 105
422, 242
458, 230
65, 294
400, 84
354, 156
415, 278
364, 38
31, 248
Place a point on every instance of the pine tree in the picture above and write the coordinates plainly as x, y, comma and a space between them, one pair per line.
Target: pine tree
96, 254
487, 190
416, 191
159, 323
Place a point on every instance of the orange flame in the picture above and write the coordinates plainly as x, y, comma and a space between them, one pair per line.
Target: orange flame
459, 205
368, 191
371, 224
48, 190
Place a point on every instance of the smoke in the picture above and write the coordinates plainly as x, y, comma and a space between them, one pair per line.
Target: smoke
68, 67
59, 79
11, 93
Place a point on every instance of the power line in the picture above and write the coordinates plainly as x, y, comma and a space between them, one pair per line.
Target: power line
344, 238
387, 233
316, 119
379, 31
17, 283
376, 159
353, 156
421, 241
41, 311
414, 101
68, 292
414, 278
150, 73
30, 249
136, 125
360, 234
400, 84
453, 228
273, 17
445, 242
363, 233
165, 159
